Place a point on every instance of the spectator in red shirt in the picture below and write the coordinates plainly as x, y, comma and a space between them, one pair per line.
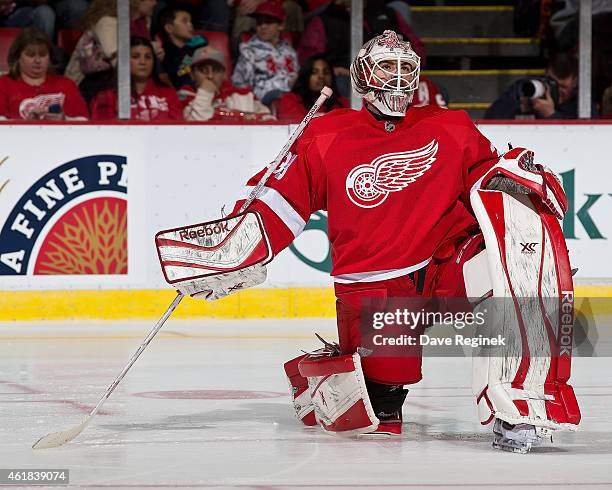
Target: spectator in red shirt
314, 75
31, 90
151, 100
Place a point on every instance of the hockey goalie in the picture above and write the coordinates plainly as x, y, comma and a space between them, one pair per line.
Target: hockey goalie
420, 205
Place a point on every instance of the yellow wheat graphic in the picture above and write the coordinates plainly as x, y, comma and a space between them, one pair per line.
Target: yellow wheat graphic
91, 244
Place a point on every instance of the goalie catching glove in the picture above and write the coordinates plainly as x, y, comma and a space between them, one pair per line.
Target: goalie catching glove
516, 173
217, 258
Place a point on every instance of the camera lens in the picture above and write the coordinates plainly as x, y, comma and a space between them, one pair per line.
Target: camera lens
533, 89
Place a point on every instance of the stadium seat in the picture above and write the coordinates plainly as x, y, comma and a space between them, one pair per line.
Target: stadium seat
7, 36
67, 40
220, 41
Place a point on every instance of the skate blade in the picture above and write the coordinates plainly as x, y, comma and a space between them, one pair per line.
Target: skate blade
512, 449
378, 435
383, 433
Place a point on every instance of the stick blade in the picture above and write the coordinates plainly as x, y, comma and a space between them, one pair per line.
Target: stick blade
56, 439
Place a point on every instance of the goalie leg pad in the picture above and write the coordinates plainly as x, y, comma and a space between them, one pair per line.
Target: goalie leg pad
527, 263
300, 395
339, 394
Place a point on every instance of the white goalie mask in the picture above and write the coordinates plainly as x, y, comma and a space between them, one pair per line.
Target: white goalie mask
386, 73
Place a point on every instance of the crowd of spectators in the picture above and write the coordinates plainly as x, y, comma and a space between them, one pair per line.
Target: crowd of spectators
282, 53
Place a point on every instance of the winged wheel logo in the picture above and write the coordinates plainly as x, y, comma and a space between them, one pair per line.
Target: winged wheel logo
370, 184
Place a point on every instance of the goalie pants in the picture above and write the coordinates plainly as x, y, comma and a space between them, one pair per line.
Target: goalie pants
356, 302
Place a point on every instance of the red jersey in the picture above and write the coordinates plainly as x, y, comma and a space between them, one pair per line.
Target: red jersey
393, 192
19, 100
155, 102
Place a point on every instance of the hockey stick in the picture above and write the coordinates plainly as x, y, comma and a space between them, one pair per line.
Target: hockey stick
56, 439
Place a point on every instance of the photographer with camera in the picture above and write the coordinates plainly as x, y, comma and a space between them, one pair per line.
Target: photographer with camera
553, 96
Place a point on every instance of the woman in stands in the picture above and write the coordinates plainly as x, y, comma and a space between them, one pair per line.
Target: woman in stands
151, 99
314, 75
92, 63
32, 90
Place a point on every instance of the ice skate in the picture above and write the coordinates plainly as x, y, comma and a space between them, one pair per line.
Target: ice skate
519, 438
390, 425
387, 401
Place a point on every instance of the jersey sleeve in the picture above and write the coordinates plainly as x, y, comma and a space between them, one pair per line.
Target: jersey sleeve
291, 194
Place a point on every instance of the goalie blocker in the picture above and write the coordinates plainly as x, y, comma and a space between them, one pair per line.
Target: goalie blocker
517, 205
213, 259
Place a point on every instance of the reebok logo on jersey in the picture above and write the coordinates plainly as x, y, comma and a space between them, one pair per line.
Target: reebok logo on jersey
370, 184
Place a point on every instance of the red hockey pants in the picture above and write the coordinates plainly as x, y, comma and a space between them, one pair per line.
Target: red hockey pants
443, 278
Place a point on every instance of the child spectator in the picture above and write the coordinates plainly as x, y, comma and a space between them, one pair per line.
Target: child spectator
31, 90
150, 100
314, 75
179, 44
92, 63
215, 98
244, 22
267, 63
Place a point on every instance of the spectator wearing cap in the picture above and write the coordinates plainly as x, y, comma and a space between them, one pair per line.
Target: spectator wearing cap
267, 64
243, 22
214, 97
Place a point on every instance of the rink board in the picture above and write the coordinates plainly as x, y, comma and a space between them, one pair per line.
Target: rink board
69, 212
150, 304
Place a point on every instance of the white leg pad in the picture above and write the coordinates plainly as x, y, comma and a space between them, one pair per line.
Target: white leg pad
526, 263
338, 393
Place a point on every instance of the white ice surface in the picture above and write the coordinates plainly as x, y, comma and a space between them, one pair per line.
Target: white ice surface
215, 414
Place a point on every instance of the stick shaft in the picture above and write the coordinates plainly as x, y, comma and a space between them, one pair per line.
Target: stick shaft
143, 346
325, 94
